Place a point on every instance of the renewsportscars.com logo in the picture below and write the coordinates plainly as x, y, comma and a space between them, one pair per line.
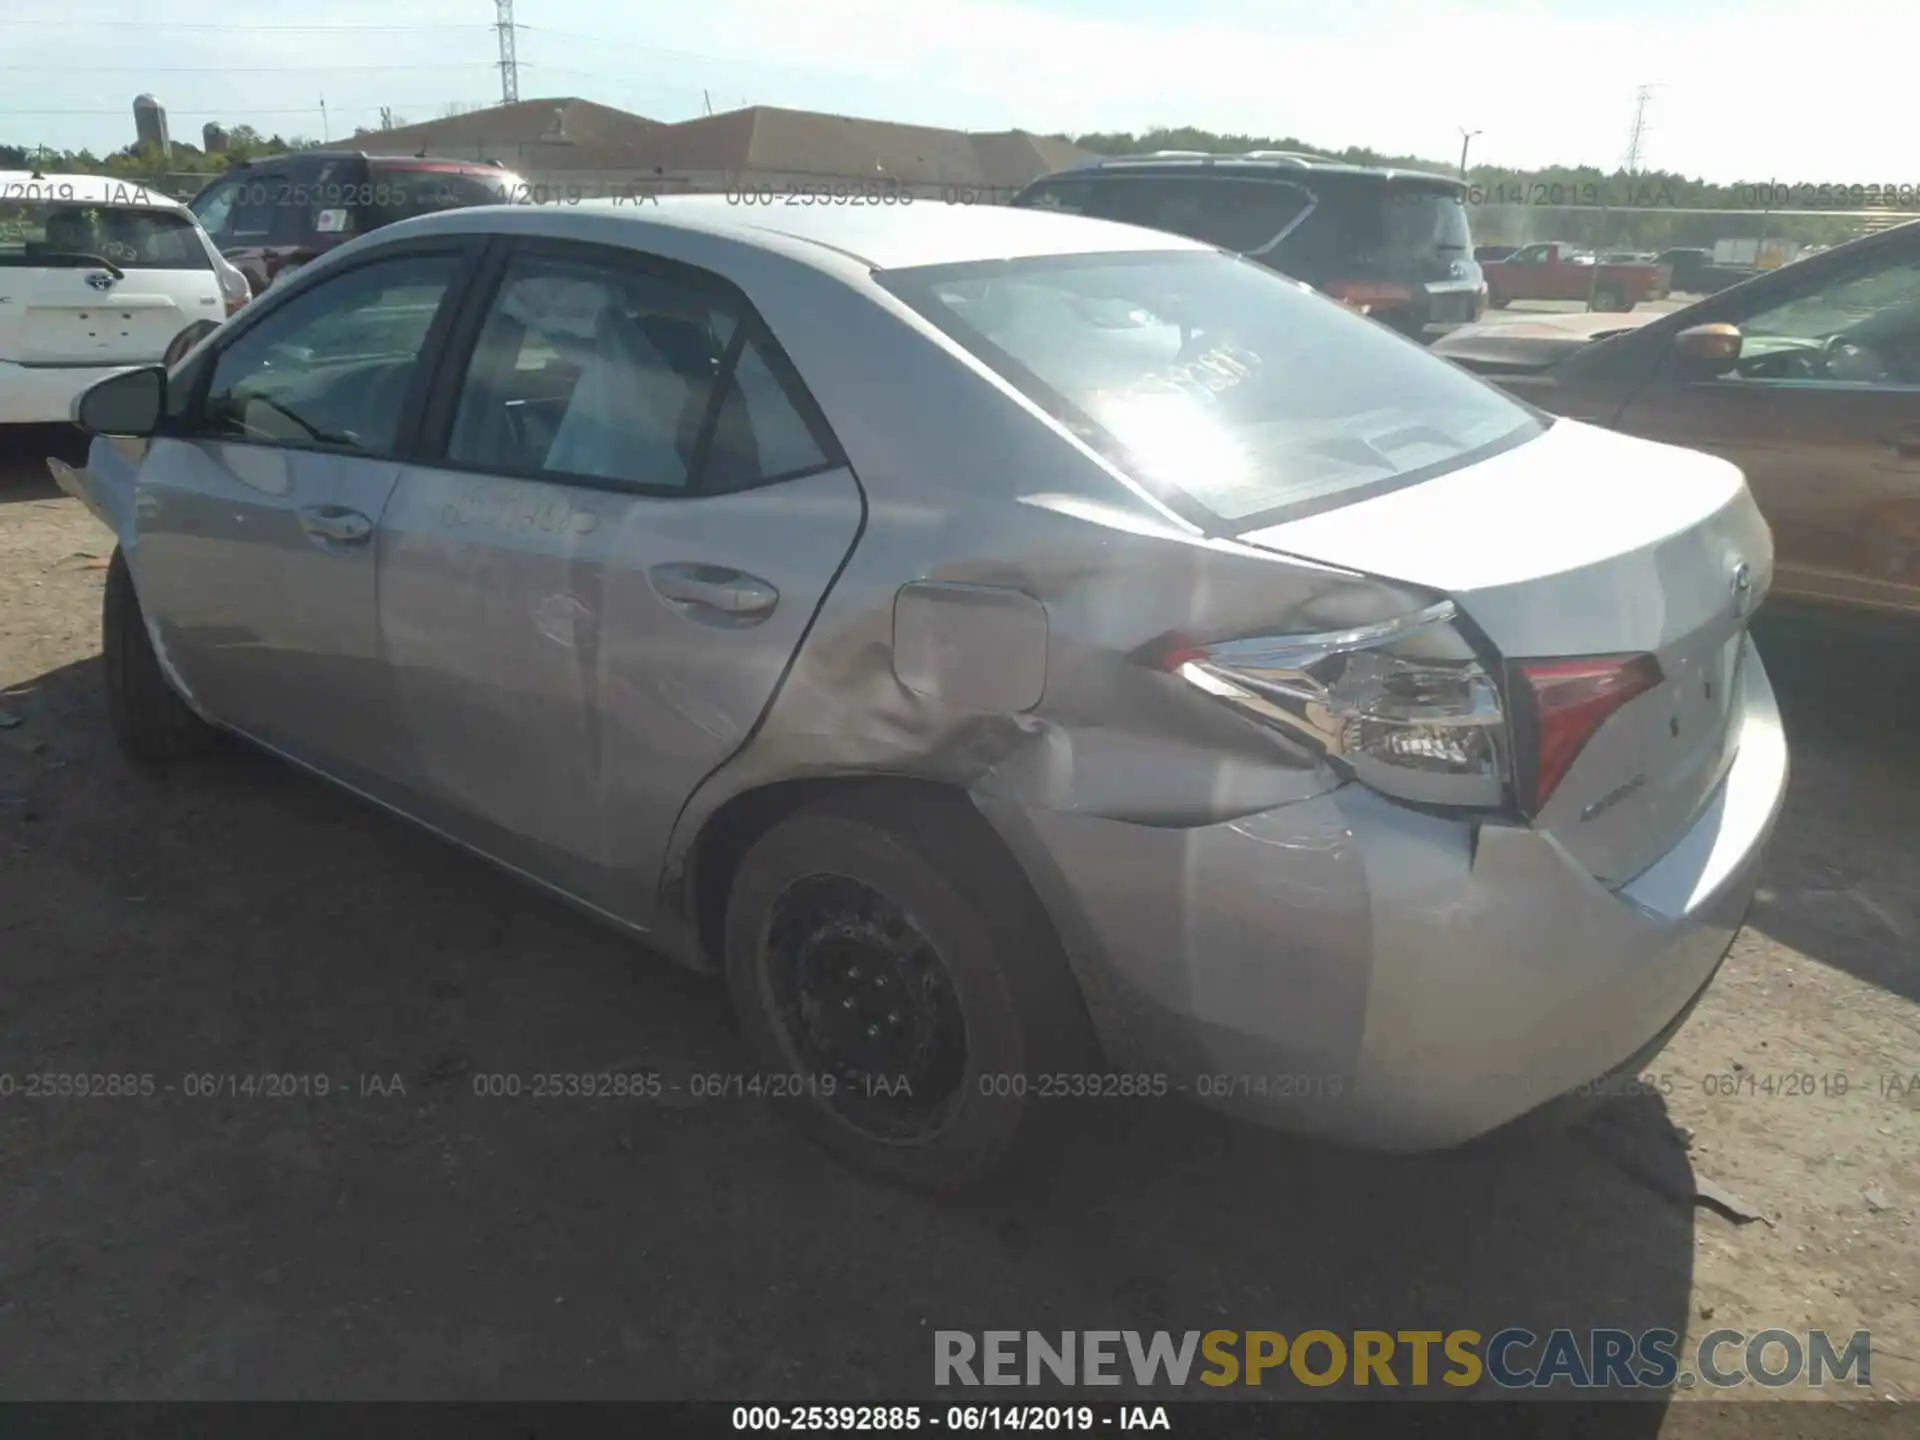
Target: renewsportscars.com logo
1513, 1359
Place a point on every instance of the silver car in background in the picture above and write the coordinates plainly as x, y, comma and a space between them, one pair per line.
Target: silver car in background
1032, 658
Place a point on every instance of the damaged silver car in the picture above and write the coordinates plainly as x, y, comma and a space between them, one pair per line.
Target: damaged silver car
1033, 659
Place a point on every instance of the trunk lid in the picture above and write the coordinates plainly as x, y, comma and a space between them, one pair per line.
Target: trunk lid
1584, 542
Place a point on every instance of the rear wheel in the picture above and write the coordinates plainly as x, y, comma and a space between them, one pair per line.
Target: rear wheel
152, 724
1609, 299
902, 988
1498, 302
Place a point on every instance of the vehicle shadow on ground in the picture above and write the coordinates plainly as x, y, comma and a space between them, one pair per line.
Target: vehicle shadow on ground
23, 459
233, 919
1843, 880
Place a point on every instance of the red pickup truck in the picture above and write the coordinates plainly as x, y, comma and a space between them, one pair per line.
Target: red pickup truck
1553, 270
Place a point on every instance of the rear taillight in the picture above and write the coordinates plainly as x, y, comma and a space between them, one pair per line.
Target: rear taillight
1566, 702
1366, 296
1403, 706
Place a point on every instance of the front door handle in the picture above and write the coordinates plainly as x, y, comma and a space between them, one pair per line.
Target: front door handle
714, 593
336, 524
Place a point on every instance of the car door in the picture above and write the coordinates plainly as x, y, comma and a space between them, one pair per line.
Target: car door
1822, 411
590, 596
255, 544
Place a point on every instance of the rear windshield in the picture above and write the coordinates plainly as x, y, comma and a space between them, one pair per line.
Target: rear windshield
1314, 226
1215, 379
1376, 223
1245, 216
36, 232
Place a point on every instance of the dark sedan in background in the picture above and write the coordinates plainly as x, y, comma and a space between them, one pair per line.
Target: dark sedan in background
1807, 377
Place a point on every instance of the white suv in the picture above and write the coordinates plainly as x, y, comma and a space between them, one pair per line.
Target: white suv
97, 274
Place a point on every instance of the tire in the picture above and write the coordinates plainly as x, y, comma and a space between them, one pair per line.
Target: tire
1609, 300
151, 723
1498, 302
915, 889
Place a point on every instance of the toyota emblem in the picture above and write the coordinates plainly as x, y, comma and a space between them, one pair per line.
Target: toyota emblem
100, 280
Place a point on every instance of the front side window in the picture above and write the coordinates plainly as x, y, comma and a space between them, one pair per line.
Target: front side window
1855, 326
331, 367
214, 206
258, 216
612, 372
1215, 379
37, 232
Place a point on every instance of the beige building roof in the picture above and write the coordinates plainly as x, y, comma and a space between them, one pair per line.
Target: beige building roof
563, 123
554, 136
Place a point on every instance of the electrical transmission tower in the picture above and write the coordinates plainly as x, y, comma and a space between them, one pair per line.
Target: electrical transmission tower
1637, 137
509, 63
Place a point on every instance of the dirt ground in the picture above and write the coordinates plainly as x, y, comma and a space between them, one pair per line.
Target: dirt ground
420, 1241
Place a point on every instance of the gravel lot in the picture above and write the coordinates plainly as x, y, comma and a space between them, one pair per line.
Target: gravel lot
234, 918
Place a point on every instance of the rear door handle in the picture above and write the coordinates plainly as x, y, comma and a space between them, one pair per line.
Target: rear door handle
714, 593
336, 524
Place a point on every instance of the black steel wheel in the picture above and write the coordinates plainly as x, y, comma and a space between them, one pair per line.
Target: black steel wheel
902, 988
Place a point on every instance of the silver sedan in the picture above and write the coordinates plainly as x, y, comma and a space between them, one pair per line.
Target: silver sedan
1033, 659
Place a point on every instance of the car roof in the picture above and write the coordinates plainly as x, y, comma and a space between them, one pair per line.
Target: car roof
444, 161
878, 235
1250, 165
83, 190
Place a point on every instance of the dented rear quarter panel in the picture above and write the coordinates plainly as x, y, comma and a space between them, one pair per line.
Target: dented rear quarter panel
912, 669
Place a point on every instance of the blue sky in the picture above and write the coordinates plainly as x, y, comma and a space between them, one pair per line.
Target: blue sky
1746, 88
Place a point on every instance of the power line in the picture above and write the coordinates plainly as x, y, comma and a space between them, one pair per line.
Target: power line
227, 112
247, 29
316, 70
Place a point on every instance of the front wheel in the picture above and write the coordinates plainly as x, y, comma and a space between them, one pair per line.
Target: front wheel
902, 988
152, 724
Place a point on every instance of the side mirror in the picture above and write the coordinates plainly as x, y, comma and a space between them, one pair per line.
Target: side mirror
1708, 349
131, 403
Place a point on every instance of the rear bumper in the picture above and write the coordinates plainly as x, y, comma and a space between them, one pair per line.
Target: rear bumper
1347, 967
44, 395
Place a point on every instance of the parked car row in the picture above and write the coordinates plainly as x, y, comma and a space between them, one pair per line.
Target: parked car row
1030, 657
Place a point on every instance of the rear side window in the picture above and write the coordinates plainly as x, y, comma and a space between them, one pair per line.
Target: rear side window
1216, 380
41, 232
402, 192
585, 369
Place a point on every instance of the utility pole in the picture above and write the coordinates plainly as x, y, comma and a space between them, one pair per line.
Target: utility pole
1466, 139
1637, 137
509, 62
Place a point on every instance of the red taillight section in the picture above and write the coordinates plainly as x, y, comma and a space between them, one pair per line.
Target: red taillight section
1170, 652
1571, 699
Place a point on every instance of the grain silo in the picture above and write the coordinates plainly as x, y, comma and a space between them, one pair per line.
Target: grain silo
150, 125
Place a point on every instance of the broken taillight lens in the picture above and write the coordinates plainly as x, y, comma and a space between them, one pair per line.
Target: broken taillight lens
1402, 705
1567, 701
